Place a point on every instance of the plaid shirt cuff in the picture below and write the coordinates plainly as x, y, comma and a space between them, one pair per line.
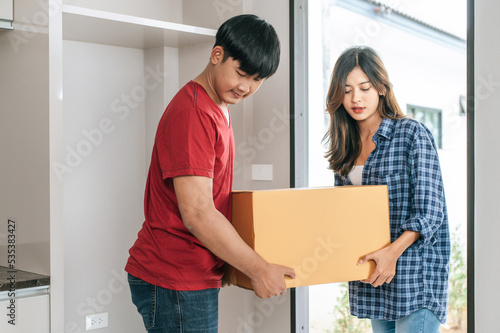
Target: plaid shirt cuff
421, 225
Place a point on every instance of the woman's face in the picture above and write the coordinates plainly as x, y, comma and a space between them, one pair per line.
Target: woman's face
361, 98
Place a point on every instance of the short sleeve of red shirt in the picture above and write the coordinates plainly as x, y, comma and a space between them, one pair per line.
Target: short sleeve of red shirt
186, 144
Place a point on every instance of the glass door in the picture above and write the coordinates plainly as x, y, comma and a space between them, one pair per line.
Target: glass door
422, 44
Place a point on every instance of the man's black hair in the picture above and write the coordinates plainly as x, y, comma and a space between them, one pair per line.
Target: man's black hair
253, 42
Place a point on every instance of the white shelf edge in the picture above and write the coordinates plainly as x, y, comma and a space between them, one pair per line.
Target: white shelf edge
94, 13
25, 293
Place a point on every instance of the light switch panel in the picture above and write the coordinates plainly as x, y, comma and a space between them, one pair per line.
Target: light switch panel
262, 172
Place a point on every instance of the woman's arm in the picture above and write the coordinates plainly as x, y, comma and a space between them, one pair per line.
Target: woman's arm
427, 208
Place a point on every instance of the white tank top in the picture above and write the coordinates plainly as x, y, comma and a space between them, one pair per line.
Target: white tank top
356, 174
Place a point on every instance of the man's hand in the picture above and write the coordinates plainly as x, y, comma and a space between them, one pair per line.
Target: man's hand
271, 281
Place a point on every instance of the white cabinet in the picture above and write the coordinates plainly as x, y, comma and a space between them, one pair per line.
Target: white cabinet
6, 13
29, 313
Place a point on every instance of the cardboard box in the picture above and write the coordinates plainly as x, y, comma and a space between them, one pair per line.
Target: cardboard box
320, 232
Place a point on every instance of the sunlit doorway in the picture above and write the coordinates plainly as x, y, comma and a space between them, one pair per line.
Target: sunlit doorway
422, 44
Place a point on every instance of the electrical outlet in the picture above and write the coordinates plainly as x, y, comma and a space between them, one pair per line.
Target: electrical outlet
97, 320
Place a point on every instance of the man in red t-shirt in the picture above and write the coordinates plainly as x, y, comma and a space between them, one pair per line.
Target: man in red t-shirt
175, 265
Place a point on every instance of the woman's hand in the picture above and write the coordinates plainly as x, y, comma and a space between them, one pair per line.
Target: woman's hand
385, 269
386, 259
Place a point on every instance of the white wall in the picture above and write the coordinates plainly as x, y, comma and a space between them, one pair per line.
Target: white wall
271, 104
90, 208
24, 132
487, 159
262, 135
166, 61
271, 127
104, 140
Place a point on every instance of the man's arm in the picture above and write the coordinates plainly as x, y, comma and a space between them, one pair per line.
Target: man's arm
205, 222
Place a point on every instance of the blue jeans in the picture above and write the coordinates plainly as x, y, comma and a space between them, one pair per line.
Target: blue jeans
171, 311
421, 321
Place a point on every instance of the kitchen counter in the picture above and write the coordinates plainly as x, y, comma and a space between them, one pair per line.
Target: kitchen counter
23, 279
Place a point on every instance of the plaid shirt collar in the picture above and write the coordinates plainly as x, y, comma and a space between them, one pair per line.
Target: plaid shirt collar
385, 129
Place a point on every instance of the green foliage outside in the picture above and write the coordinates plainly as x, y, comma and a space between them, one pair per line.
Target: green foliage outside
458, 282
345, 323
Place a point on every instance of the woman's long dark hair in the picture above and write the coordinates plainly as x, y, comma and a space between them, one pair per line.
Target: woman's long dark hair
343, 135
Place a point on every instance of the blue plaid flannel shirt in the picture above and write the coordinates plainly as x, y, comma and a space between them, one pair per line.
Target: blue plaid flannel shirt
405, 159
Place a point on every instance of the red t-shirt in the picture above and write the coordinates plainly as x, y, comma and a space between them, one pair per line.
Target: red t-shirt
193, 138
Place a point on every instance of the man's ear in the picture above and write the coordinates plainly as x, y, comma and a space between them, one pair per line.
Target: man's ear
217, 55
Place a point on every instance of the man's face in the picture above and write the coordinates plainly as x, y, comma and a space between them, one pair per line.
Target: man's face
232, 84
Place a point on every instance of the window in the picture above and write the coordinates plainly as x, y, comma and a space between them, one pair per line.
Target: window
432, 118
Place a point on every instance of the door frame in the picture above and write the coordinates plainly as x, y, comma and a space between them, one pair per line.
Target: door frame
299, 147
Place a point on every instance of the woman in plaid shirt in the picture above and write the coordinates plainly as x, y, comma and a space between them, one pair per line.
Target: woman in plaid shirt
371, 142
